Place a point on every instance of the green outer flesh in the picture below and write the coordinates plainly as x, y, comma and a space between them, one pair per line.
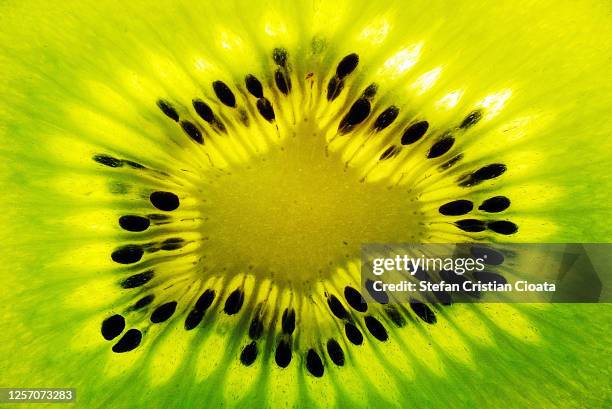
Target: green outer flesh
46, 48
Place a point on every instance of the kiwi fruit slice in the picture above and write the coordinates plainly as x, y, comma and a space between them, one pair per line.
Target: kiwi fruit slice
186, 187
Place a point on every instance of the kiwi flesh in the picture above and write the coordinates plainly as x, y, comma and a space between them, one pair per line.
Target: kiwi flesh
188, 186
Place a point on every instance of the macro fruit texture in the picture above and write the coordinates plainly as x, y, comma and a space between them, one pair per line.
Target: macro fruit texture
186, 186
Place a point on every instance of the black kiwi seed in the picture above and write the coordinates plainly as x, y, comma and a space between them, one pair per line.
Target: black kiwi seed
390, 152
113, 326
107, 160
485, 173
192, 131
143, 302
283, 354
386, 118
256, 328
502, 227
471, 120
376, 328
353, 334
132, 164
253, 86
347, 65
168, 110
224, 93
219, 125
249, 354
203, 110
471, 225
456, 208
205, 300
166, 201
355, 299
196, 315
424, 312
495, 204
314, 363
279, 55
490, 171
336, 307
288, 321
265, 109
163, 312
379, 296
130, 340
138, 280
441, 147
335, 352
173, 243
234, 302
414, 132
194, 318
282, 83
489, 277
451, 162
370, 91
127, 254
134, 223
358, 112
334, 88
490, 256
157, 217
244, 117
422, 275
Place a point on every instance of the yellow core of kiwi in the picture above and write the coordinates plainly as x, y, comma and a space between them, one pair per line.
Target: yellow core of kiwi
298, 210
